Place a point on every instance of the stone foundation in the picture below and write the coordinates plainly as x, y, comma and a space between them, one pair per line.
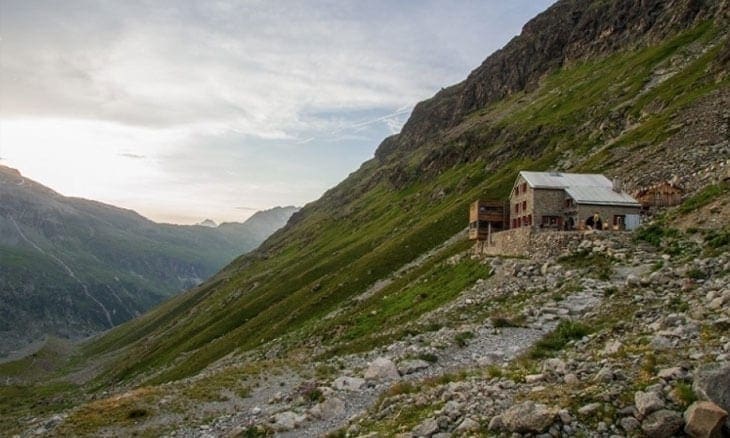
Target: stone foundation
535, 244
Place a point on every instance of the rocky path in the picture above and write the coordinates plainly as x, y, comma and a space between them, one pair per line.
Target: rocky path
282, 403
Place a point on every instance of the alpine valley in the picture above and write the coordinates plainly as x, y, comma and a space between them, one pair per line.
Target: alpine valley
71, 267
369, 314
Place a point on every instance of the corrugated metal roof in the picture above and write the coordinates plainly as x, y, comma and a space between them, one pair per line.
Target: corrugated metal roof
559, 180
600, 196
584, 188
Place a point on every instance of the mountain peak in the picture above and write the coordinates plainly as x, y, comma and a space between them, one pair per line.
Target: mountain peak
210, 223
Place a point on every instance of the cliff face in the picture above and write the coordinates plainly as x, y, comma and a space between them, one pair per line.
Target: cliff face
566, 32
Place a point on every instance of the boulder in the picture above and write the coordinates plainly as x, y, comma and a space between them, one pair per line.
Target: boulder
571, 379
287, 420
629, 424
704, 420
496, 424
346, 383
612, 347
427, 428
672, 373
632, 280
534, 378
554, 365
604, 375
381, 368
647, 402
468, 425
329, 408
528, 417
589, 409
412, 366
712, 383
662, 424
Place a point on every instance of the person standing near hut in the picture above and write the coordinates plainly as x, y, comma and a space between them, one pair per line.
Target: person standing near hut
594, 222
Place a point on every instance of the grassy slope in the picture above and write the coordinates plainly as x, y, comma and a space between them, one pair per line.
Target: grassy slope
339, 249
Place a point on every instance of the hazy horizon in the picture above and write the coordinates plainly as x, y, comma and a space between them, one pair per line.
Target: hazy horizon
185, 112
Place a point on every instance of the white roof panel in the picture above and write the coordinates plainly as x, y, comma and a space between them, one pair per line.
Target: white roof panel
560, 180
600, 196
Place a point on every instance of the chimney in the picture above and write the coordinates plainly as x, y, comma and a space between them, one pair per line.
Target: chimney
617, 185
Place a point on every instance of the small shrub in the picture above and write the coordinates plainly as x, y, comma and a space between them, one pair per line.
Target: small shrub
428, 357
696, 274
678, 305
315, 396
502, 321
649, 365
462, 338
137, 413
600, 265
310, 392
255, 432
554, 341
494, 371
685, 394
325, 371
651, 234
401, 388
717, 239
443, 379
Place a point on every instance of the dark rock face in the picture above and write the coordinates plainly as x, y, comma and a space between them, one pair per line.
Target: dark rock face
568, 31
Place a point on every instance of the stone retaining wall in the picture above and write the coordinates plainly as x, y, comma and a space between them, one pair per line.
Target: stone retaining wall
535, 244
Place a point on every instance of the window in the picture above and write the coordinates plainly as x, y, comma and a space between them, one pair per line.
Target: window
517, 190
529, 219
524, 187
568, 203
517, 208
524, 205
551, 221
519, 222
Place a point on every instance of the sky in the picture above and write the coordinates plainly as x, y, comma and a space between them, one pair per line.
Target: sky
185, 110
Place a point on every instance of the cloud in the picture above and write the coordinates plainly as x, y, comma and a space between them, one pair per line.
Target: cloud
131, 155
220, 104
255, 66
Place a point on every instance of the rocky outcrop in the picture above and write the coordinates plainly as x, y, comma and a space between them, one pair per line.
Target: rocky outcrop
567, 31
528, 417
381, 368
704, 420
662, 424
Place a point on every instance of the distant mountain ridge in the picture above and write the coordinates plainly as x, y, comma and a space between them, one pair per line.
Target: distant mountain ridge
71, 266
